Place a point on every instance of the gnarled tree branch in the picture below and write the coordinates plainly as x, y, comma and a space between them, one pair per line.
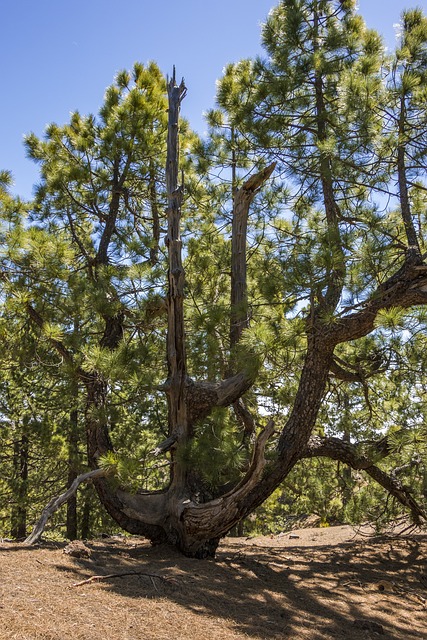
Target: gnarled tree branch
346, 452
406, 288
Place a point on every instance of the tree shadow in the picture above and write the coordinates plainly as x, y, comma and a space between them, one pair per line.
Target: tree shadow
270, 592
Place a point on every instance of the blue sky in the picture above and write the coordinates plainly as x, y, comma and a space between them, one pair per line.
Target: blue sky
59, 56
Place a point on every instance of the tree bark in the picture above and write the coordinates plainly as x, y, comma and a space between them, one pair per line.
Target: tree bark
405, 206
239, 312
176, 385
242, 199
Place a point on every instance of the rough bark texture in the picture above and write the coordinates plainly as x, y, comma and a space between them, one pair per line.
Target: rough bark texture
405, 206
239, 311
243, 197
179, 424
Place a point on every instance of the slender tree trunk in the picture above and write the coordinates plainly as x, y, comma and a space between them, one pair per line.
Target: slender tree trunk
405, 206
19, 510
242, 198
179, 424
73, 472
239, 312
86, 513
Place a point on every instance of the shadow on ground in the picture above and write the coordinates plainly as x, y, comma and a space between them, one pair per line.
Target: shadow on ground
359, 590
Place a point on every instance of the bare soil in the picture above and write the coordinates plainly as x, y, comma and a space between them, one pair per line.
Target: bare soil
311, 583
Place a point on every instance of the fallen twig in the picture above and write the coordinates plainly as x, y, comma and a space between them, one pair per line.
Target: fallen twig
122, 575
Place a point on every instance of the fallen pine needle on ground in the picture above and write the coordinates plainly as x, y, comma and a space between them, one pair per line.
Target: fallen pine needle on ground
316, 584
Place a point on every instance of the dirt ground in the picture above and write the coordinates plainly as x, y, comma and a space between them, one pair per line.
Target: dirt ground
311, 583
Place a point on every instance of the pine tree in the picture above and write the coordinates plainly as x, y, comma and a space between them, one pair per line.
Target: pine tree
307, 309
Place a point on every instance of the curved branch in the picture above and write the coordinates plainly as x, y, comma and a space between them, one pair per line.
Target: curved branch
58, 501
242, 199
346, 452
203, 396
394, 486
406, 288
344, 374
219, 515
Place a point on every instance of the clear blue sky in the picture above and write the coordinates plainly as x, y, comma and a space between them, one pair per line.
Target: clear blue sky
59, 56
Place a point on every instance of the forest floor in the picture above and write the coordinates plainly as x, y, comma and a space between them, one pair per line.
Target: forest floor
311, 583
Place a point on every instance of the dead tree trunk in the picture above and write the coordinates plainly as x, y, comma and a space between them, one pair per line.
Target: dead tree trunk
242, 198
239, 310
179, 426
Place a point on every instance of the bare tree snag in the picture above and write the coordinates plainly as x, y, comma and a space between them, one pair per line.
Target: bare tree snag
179, 425
239, 290
239, 312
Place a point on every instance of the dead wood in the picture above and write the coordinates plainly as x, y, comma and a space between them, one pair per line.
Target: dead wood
58, 501
121, 574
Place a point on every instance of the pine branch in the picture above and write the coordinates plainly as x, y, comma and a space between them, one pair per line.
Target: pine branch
406, 288
59, 346
348, 453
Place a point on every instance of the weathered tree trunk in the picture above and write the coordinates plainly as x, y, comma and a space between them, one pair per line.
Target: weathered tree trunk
167, 515
239, 311
183, 514
405, 206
